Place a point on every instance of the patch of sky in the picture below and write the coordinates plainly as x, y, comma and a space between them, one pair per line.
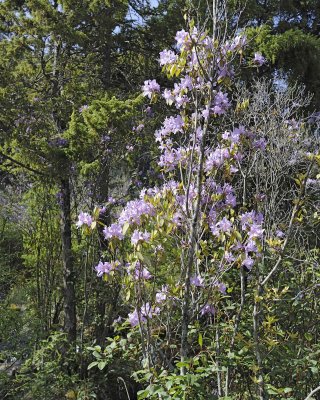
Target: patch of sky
280, 81
134, 16
116, 30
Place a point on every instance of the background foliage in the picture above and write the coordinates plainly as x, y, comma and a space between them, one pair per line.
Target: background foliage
76, 135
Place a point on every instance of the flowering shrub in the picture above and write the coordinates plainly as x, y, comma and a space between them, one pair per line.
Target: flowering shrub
179, 240
177, 249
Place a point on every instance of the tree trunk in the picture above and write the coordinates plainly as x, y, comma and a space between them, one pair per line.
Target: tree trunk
70, 320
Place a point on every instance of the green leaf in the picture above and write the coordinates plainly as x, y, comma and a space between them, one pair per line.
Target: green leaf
314, 370
143, 394
173, 70
169, 384
161, 222
125, 227
93, 364
140, 256
102, 364
200, 340
182, 364
308, 336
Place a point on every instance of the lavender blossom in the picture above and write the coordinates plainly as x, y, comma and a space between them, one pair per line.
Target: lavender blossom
221, 103
167, 57
134, 211
168, 96
221, 287
162, 295
106, 267
208, 309
181, 37
138, 236
248, 262
197, 281
134, 318
141, 273
113, 231
84, 219
259, 59
150, 88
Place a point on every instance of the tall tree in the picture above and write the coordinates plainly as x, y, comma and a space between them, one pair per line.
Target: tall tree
287, 32
56, 56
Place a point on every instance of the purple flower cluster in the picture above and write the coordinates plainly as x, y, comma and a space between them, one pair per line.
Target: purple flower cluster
141, 272
134, 211
223, 226
106, 267
208, 309
221, 287
221, 103
141, 315
182, 38
197, 281
162, 295
260, 144
279, 233
172, 157
237, 43
235, 135
138, 128
83, 108
131, 214
186, 83
251, 224
167, 57
229, 257
150, 87
168, 96
138, 236
259, 59
216, 158
84, 219
113, 231
170, 125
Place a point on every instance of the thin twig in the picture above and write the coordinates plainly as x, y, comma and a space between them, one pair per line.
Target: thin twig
125, 386
312, 393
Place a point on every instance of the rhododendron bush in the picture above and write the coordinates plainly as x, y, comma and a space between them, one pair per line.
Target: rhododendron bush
185, 250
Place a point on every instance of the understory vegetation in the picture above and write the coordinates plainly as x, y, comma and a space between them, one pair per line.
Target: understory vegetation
159, 200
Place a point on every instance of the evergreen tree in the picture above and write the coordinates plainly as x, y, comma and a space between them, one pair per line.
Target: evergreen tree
55, 58
287, 32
